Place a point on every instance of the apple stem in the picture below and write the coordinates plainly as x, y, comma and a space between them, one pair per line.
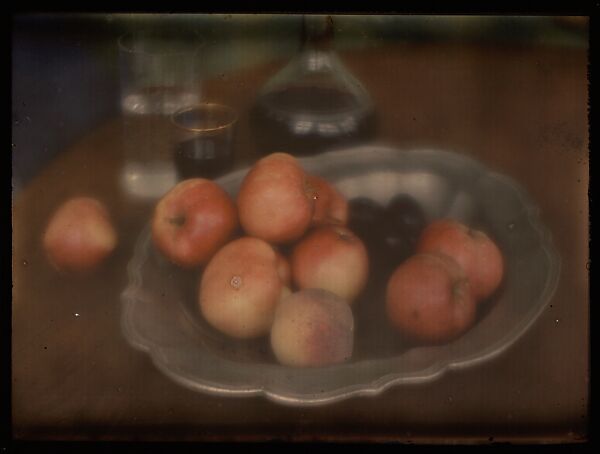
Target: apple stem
346, 236
460, 287
310, 190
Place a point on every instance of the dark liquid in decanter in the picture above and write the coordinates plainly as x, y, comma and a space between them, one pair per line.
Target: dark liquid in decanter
307, 119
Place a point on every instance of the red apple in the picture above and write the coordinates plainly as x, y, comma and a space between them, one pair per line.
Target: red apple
320, 190
274, 200
331, 258
428, 299
312, 327
192, 221
331, 207
284, 269
240, 288
338, 209
80, 235
474, 251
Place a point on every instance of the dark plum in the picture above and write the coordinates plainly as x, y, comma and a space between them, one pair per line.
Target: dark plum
403, 222
399, 247
389, 232
406, 213
405, 218
366, 218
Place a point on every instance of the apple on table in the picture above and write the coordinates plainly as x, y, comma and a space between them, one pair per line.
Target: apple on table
80, 235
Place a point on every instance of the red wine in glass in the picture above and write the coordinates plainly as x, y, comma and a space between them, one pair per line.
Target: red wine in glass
203, 157
204, 145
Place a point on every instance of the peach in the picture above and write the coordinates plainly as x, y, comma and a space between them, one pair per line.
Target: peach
312, 327
192, 221
79, 235
274, 200
331, 258
240, 288
428, 299
474, 250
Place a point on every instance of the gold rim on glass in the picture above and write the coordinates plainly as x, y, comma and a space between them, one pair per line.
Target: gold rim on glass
204, 107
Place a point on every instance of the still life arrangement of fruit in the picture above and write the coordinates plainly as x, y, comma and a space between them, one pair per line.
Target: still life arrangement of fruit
289, 256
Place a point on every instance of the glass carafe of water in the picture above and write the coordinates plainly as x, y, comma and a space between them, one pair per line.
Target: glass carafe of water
159, 75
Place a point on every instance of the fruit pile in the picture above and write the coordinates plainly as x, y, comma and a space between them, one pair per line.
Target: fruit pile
290, 255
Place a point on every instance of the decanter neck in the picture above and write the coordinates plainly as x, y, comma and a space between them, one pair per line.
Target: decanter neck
317, 32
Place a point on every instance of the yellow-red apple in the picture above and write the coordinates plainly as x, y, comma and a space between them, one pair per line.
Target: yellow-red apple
274, 201
79, 235
331, 258
428, 299
284, 269
192, 221
474, 251
331, 207
240, 288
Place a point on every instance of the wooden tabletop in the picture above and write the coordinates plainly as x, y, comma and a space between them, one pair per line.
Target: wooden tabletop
519, 111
